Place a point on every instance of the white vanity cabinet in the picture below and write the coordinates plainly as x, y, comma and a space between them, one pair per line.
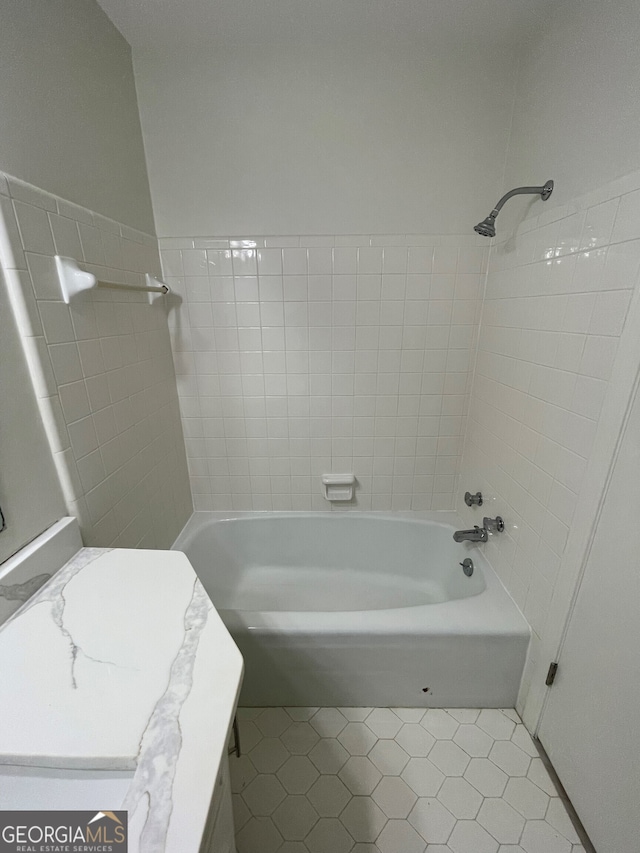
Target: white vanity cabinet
219, 833
119, 667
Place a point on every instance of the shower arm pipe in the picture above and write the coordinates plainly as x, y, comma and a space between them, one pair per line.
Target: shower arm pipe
487, 228
544, 191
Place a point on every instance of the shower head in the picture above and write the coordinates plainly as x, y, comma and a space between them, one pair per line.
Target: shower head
487, 228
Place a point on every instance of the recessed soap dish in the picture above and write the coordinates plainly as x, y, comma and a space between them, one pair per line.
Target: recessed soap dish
338, 487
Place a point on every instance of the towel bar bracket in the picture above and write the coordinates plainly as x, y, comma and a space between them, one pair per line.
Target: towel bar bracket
74, 280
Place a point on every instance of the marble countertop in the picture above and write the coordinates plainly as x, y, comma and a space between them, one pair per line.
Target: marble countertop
121, 662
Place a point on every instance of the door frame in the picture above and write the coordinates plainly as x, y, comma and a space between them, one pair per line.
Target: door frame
623, 385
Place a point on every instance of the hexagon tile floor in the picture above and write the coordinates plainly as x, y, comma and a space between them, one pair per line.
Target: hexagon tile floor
377, 780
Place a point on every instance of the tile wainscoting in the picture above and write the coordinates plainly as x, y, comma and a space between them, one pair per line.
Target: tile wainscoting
101, 368
299, 356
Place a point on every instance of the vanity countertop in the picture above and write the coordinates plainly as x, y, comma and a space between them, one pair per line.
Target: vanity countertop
121, 662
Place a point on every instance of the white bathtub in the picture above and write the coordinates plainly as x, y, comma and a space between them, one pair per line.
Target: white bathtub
359, 609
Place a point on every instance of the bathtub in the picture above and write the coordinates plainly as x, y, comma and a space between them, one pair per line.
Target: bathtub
359, 609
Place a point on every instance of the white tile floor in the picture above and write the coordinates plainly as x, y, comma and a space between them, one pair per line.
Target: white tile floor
376, 780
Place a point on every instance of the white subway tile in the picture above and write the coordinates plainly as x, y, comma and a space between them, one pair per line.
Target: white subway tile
197, 289
24, 303
445, 259
248, 314
369, 260
610, 313
82, 435
11, 247
320, 261
294, 261
578, 313
246, 289
588, 396
244, 262
74, 401
56, 321
66, 236
320, 287
282, 242
470, 260
416, 312
91, 240
345, 261
589, 270
295, 288
317, 240
598, 356
622, 266
219, 262
34, 228
598, 224
194, 262
421, 259
222, 288
31, 195
395, 259
223, 315
627, 222
271, 288
65, 360
270, 262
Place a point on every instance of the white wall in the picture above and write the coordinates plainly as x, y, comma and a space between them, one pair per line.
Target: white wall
68, 111
316, 139
577, 108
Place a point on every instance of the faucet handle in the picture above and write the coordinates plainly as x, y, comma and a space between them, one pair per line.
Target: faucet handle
467, 566
472, 500
495, 525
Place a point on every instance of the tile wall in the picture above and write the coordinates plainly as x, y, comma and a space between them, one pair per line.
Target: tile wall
298, 356
557, 297
102, 369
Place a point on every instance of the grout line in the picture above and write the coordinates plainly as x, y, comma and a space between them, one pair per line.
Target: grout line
573, 814
256, 791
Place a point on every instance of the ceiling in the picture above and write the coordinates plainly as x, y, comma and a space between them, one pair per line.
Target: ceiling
159, 25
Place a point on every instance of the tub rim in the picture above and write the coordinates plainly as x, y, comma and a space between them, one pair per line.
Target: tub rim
490, 613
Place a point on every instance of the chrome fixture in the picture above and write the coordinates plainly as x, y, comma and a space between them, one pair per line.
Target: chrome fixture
473, 500
467, 566
476, 534
495, 525
487, 228
480, 534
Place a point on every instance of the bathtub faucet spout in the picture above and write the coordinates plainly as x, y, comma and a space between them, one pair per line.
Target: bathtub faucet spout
476, 534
